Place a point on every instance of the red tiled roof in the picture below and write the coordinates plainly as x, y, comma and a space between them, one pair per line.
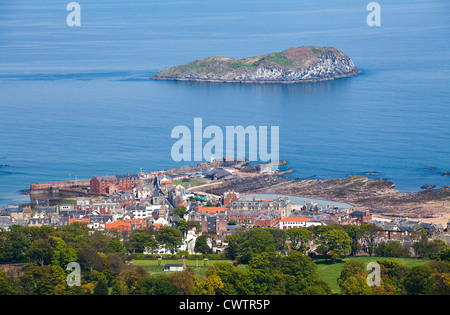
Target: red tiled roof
211, 209
120, 225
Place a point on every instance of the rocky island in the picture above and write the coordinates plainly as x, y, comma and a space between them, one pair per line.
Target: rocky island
294, 65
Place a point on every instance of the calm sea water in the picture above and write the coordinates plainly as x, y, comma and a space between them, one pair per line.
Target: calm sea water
76, 101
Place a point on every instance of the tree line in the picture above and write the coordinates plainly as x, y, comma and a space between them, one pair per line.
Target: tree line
265, 261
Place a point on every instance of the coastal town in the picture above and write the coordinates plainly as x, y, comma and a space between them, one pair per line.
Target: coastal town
150, 200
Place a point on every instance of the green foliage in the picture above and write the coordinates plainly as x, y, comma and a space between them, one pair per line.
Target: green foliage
170, 237
333, 242
352, 268
140, 241
355, 285
201, 245
418, 281
249, 243
391, 249
5, 285
279, 59
299, 238
179, 211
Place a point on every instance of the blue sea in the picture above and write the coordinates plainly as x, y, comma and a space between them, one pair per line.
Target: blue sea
77, 101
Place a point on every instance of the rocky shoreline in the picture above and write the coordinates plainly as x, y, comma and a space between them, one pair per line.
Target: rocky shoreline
377, 195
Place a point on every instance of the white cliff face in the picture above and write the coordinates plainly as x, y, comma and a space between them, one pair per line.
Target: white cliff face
328, 67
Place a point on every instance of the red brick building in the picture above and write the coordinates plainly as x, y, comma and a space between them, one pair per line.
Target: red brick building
107, 185
269, 220
360, 216
228, 197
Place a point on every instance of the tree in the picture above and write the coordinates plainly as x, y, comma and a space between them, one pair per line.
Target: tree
89, 259
159, 285
300, 238
62, 254
131, 279
40, 251
333, 242
434, 248
170, 237
115, 246
391, 249
440, 283
184, 282
418, 281
201, 245
182, 226
248, 243
354, 233
102, 287
44, 280
351, 268
179, 211
300, 273
355, 285
394, 273
140, 241
208, 285
5, 285
370, 233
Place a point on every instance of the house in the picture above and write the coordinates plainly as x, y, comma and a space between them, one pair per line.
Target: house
432, 228
268, 220
296, 222
45, 211
99, 222
212, 222
5, 223
66, 207
137, 223
120, 226
107, 185
281, 205
37, 222
16, 212
360, 216
212, 210
138, 212
160, 222
165, 182
243, 216
217, 173
81, 221
123, 199
110, 208
173, 267
396, 229
228, 197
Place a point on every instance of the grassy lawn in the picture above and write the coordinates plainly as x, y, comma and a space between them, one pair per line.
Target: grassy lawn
330, 272
191, 182
151, 265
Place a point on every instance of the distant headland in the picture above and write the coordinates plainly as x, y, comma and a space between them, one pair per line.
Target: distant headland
294, 65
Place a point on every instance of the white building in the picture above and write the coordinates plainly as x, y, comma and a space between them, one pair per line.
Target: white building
296, 222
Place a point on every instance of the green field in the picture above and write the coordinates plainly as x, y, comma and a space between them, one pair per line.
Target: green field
199, 266
330, 272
